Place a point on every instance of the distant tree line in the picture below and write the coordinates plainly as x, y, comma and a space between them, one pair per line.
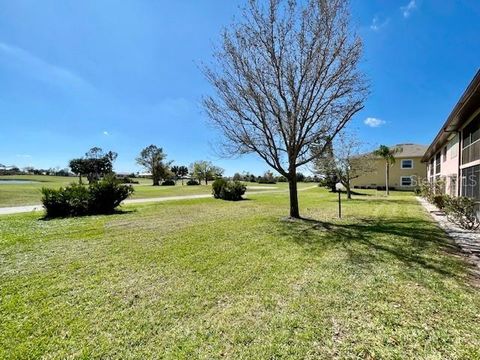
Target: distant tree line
269, 178
30, 170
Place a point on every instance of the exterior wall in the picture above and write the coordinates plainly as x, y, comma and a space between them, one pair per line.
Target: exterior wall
449, 163
377, 178
451, 167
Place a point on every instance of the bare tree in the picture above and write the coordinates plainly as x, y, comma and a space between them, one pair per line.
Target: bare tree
286, 79
346, 162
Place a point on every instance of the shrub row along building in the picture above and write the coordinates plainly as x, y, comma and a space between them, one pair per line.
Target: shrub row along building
453, 156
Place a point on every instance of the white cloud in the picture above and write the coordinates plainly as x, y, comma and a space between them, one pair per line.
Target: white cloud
377, 24
106, 133
407, 9
41, 69
373, 122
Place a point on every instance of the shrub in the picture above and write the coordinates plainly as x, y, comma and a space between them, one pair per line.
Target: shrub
462, 211
439, 201
106, 195
228, 190
263, 180
100, 197
217, 187
70, 201
192, 182
168, 182
233, 190
127, 180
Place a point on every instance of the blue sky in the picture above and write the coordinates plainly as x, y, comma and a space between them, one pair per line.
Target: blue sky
124, 74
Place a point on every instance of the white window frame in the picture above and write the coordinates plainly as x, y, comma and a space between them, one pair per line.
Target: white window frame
401, 163
406, 177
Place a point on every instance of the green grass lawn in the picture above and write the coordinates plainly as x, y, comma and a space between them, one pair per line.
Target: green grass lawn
213, 279
29, 194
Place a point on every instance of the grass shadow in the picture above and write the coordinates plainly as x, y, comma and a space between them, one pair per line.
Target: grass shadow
116, 212
412, 242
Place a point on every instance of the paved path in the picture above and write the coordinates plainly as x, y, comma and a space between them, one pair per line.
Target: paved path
468, 241
30, 208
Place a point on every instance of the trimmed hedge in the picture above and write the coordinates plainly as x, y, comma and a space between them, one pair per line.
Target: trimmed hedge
101, 197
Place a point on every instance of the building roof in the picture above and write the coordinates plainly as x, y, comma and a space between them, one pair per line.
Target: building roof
408, 150
468, 103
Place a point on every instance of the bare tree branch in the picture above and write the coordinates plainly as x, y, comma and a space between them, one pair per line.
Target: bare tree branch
286, 80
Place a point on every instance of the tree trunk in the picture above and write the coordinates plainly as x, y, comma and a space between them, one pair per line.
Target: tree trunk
156, 181
206, 181
80, 179
292, 186
387, 177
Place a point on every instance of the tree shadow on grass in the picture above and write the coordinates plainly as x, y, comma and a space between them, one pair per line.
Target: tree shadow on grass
413, 242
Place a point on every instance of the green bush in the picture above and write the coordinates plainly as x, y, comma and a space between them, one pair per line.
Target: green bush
100, 197
70, 201
462, 211
168, 182
217, 187
439, 201
228, 190
127, 180
106, 195
192, 182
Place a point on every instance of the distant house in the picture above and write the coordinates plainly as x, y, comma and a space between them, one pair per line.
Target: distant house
405, 173
455, 152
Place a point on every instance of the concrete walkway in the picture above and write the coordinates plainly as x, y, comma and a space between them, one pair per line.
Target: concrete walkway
30, 208
468, 241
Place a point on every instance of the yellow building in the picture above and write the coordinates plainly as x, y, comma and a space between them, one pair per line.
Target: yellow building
405, 173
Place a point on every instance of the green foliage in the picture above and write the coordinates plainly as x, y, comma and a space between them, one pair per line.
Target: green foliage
431, 189
228, 190
300, 177
462, 211
72, 200
127, 180
94, 165
106, 195
439, 201
152, 159
168, 182
217, 187
267, 178
192, 182
386, 153
101, 197
205, 171
237, 177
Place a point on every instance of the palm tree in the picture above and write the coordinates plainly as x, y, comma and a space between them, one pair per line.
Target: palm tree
388, 155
